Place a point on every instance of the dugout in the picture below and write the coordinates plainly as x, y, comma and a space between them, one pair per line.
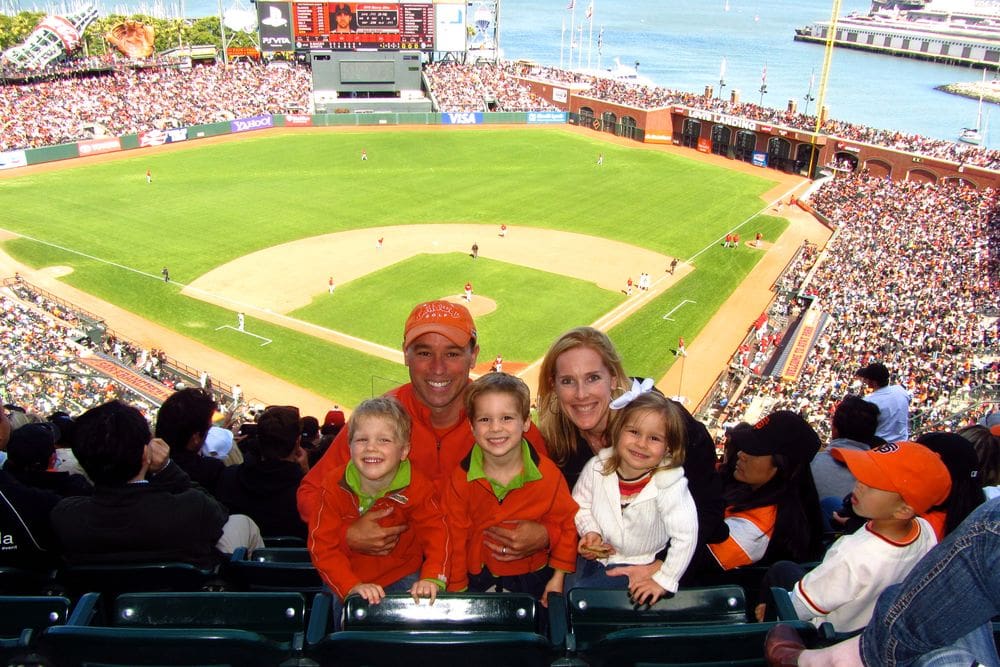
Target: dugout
360, 81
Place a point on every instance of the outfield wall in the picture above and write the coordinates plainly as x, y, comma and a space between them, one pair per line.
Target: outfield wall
33, 156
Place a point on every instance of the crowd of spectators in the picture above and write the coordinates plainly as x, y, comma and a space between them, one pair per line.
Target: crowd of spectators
130, 101
905, 280
40, 360
43, 340
480, 87
654, 97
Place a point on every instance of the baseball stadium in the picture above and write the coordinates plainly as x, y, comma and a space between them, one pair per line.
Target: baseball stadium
221, 252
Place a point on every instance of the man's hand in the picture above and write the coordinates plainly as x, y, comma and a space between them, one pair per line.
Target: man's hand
157, 455
513, 540
366, 536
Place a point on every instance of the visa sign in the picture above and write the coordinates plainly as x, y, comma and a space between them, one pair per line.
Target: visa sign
466, 118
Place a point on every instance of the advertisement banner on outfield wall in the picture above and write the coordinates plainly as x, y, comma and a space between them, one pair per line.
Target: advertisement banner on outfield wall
298, 119
759, 159
462, 118
538, 117
13, 159
160, 137
704, 145
98, 146
253, 123
275, 24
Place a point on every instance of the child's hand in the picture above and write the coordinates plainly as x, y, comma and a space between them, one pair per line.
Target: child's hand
646, 591
555, 585
425, 588
592, 546
373, 593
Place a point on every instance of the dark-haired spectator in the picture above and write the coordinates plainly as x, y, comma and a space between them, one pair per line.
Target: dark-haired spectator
264, 485
987, 448
853, 426
144, 508
183, 422
30, 454
892, 400
772, 511
959, 457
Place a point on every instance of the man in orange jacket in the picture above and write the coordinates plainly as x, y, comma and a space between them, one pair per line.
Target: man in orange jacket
440, 349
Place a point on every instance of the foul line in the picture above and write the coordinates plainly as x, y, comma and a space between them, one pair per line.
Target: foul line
267, 341
379, 350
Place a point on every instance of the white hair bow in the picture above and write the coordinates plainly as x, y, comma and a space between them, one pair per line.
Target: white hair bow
638, 388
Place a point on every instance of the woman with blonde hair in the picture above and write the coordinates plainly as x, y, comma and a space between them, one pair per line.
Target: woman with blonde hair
580, 375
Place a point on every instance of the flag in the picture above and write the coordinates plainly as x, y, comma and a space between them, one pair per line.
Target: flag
722, 69
571, 5
590, 10
600, 39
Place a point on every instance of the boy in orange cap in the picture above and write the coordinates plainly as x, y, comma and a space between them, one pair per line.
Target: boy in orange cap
895, 483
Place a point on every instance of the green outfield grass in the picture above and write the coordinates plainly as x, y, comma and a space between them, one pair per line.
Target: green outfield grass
209, 204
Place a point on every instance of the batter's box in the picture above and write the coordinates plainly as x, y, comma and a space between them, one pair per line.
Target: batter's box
667, 315
267, 341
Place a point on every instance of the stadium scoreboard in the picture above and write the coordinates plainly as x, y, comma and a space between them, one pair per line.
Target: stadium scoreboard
349, 26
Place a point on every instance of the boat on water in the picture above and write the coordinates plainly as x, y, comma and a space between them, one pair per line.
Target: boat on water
960, 32
974, 135
619, 72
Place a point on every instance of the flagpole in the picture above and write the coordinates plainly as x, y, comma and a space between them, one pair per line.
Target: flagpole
562, 42
600, 43
579, 51
590, 36
572, 29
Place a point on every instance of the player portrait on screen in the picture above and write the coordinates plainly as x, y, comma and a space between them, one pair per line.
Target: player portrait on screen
342, 19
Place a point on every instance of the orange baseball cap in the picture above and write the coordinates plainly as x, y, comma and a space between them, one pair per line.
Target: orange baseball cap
910, 469
451, 320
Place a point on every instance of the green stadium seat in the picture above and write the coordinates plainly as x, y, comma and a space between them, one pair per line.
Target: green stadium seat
704, 627
113, 579
200, 628
486, 629
22, 617
273, 569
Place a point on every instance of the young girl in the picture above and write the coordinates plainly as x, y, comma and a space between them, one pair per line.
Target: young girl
634, 498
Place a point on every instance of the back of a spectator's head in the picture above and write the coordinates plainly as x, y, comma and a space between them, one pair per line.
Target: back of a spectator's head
875, 372
31, 447
987, 448
278, 431
959, 457
310, 429
184, 419
856, 419
110, 443
66, 426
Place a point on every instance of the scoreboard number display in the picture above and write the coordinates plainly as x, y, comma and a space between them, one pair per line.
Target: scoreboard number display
349, 25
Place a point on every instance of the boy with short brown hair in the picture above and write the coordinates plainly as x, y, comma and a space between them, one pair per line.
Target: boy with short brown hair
504, 479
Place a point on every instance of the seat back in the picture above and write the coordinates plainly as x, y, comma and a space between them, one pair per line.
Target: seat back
483, 629
482, 612
19, 581
273, 569
195, 628
112, 579
274, 615
595, 613
22, 617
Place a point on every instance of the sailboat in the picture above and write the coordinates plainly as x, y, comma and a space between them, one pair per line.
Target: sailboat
974, 135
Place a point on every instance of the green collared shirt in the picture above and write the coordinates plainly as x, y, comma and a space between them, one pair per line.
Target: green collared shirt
353, 478
529, 471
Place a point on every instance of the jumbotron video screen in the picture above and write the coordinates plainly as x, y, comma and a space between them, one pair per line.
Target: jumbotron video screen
349, 25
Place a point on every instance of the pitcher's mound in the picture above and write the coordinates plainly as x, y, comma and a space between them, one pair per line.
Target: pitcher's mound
480, 305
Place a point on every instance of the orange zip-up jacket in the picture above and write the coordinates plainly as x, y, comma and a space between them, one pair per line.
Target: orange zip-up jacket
472, 507
424, 547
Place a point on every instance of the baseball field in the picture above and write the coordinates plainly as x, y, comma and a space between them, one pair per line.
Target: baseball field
259, 224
